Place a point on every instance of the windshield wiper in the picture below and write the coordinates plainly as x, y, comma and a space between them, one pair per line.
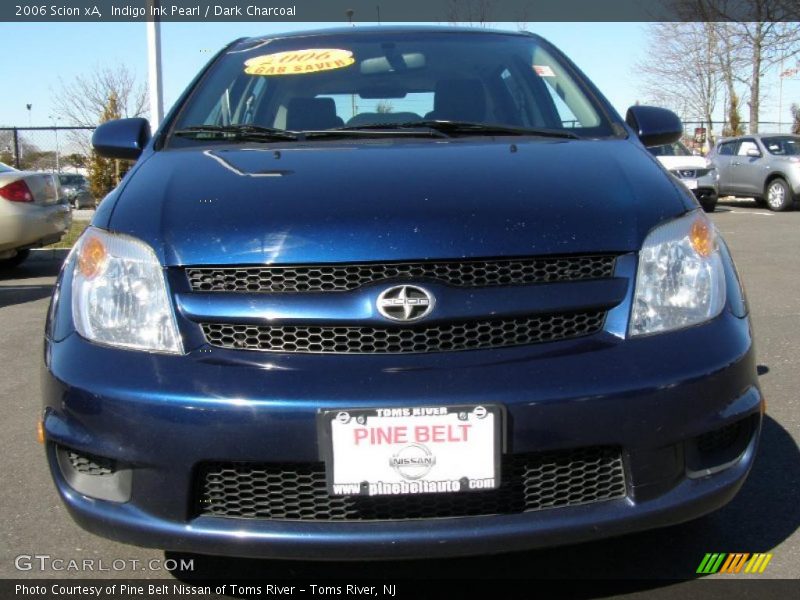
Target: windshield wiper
465, 127
376, 130
238, 132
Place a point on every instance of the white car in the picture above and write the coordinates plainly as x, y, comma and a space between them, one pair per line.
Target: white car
33, 213
696, 172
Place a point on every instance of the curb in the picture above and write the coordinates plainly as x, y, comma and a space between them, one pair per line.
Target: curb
48, 254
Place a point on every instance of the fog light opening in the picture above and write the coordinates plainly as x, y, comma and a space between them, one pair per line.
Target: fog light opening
94, 476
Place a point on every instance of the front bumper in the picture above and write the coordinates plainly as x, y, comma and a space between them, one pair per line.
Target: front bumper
165, 415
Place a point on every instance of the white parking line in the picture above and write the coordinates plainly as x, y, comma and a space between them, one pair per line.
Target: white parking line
750, 212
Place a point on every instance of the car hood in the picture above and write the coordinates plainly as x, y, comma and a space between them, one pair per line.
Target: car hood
395, 199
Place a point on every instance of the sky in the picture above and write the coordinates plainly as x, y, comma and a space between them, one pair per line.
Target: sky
43, 57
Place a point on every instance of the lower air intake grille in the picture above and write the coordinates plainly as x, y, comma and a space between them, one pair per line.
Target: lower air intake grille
89, 464
298, 491
473, 335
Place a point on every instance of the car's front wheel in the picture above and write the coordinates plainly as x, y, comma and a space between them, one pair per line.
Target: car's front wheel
778, 195
16, 260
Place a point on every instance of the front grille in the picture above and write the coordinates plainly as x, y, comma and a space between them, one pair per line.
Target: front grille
473, 335
690, 173
89, 464
334, 278
298, 491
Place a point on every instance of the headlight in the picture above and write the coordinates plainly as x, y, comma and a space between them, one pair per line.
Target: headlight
119, 296
680, 281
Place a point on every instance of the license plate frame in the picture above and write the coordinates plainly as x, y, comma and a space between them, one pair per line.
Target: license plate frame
396, 483
690, 183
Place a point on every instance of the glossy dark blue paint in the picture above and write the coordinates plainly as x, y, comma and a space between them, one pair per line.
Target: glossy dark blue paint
653, 125
382, 200
122, 138
431, 201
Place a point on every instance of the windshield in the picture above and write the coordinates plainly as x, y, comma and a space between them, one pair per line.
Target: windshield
782, 146
675, 149
369, 78
70, 179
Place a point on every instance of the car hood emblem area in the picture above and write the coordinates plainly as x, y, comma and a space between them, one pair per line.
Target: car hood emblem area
405, 303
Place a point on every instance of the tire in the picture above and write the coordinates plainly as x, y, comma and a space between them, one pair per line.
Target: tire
778, 195
15, 261
709, 205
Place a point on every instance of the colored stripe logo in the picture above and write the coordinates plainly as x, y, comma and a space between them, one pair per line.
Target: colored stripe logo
722, 562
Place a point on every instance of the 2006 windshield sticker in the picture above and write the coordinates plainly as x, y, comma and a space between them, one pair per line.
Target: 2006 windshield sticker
299, 62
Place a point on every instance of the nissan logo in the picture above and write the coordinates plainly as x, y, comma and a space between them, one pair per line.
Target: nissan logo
405, 303
413, 462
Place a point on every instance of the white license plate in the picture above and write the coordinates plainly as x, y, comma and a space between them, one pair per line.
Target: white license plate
690, 183
408, 451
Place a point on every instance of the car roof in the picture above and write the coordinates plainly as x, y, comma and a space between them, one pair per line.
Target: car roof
356, 31
756, 135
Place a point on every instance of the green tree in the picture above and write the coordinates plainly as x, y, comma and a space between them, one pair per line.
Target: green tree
733, 126
75, 159
105, 173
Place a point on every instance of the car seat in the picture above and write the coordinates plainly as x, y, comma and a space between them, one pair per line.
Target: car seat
312, 113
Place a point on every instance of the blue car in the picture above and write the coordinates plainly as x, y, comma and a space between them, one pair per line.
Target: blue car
390, 293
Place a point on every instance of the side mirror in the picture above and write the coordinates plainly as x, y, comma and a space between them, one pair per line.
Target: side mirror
753, 153
123, 138
654, 126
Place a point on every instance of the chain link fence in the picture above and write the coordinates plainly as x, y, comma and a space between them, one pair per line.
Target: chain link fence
55, 149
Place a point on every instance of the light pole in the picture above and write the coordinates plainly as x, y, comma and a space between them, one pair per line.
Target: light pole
58, 151
154, 63
349, 14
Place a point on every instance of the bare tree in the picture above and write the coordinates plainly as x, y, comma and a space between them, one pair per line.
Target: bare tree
83, 101
769, 44
681, 71
730, 61
762, 31
469, 12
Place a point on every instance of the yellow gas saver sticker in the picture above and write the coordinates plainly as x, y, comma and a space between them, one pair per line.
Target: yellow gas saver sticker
298, 62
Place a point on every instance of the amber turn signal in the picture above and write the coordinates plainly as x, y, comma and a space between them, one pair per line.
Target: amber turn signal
702, 237
92, 257
40, 431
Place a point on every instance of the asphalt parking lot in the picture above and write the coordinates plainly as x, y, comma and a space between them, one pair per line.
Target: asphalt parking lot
764, 517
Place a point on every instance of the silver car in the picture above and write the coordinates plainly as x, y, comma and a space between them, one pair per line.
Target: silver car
762, 166
32, 213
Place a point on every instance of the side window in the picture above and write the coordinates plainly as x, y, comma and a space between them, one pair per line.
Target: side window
727, 149
746, 146
557, 94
